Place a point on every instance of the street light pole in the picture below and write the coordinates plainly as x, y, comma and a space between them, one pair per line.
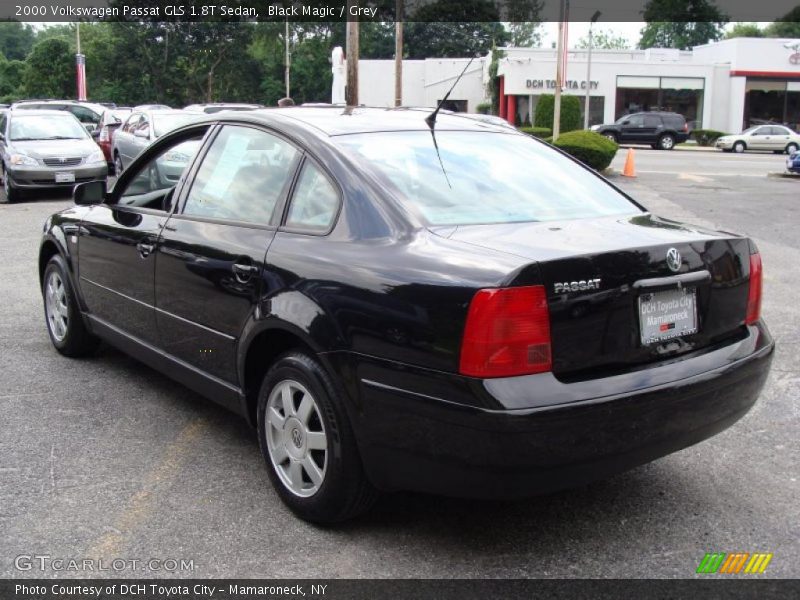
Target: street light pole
288, 60
398, 54
587, 102
351, 92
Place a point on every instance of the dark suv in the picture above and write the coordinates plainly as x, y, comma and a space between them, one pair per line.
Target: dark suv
659, 129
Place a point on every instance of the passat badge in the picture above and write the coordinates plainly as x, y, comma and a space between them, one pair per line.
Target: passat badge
577, 286
674, 260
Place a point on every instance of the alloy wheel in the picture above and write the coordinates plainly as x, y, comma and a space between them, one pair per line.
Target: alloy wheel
55, 301
667, 142
296, 438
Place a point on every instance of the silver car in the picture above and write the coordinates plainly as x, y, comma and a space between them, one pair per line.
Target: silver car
46, 149
761, 137
141, 128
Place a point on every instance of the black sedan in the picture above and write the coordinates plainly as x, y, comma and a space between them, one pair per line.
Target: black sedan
397, 303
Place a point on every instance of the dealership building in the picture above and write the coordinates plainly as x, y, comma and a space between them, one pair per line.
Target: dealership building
727, 85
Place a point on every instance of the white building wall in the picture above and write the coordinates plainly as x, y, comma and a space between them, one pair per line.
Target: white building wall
376, 82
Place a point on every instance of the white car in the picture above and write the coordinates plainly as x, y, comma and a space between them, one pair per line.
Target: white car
777, 138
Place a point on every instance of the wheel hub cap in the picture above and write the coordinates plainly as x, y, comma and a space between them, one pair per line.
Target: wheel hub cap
56, 308
296, 439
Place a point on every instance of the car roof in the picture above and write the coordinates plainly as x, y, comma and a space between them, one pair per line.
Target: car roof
41, 112
339, 120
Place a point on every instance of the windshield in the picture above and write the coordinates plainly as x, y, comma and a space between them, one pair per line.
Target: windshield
485, 177
49, 127
164, 123
751, 129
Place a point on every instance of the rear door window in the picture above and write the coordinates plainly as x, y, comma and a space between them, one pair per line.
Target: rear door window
242, 177
652, 121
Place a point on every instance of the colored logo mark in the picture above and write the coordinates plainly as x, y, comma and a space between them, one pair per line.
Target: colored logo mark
735, 562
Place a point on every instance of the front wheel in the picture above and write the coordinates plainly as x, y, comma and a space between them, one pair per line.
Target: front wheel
11, 194
118, 165
308, 444
739, 147
666, 142
65, 324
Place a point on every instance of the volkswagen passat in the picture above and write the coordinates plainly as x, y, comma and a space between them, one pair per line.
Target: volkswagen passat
398, 303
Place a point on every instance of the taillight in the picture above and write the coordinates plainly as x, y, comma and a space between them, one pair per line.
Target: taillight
507, 333
754, 294
103, 137
686, 127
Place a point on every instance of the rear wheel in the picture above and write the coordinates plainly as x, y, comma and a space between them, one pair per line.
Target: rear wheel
666, 141
65, 324
739, 147
791, 147
307, 443
118, 168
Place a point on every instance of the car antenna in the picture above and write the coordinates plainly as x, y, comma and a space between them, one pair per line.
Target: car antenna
431, 118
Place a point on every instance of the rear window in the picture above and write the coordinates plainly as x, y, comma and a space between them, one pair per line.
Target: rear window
483, 177
675, 121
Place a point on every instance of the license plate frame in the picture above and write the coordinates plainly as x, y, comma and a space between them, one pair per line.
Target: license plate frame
65, 177
667, 314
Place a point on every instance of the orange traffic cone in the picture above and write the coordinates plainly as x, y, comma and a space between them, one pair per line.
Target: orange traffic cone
630, 168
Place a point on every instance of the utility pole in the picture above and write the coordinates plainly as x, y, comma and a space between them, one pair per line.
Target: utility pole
288, 60
586, 103
398, 54
559, 71
351, 93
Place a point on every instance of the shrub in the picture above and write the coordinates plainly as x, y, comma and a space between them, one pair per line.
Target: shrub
570, 112
592, 149
706, 137
537, 132
484, 108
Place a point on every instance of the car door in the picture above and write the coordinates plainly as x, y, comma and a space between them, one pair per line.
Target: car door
116, 261
141, 135
211, 253
631, 128
759, 139
651, 127
123, 139
780, 137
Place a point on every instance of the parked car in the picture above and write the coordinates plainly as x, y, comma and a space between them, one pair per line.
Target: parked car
374, 294
46, 149
216, 107
140, 129
88, 113
777, 138
793, 162
110, 120
659, 129
144, 107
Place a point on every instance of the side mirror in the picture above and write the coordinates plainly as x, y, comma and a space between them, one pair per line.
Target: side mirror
89, 193
142, 133
626, 122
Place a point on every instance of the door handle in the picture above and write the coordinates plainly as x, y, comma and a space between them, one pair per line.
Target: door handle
244, 271
145, 249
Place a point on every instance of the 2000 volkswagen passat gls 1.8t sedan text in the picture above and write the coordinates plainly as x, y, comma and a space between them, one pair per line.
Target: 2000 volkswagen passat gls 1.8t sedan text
399, 304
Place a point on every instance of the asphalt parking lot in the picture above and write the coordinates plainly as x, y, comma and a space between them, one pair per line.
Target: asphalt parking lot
105, 458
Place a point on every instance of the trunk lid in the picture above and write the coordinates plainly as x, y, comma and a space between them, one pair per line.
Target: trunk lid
601, 274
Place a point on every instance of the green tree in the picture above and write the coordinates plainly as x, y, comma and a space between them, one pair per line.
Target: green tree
525, 34
16, 39
472, 29
740, 30
681, 24
606, 40
50, 70
12, 75
787, 26
523, 21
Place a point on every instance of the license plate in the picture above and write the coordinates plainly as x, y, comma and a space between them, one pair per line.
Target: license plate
65, 176
667, 314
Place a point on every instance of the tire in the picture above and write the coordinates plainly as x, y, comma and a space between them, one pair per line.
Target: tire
666, 141
118, 166
791, 146
10, 193
611, 136
292, 437
63, 319
739, 147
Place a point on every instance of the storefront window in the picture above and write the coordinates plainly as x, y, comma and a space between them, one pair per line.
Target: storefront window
682, 95
597, 106
771, 101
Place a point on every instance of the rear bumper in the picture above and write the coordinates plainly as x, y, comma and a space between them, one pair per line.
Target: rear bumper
425, 443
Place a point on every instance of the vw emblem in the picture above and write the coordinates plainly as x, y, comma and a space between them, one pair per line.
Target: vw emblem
674, 260
297, 438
